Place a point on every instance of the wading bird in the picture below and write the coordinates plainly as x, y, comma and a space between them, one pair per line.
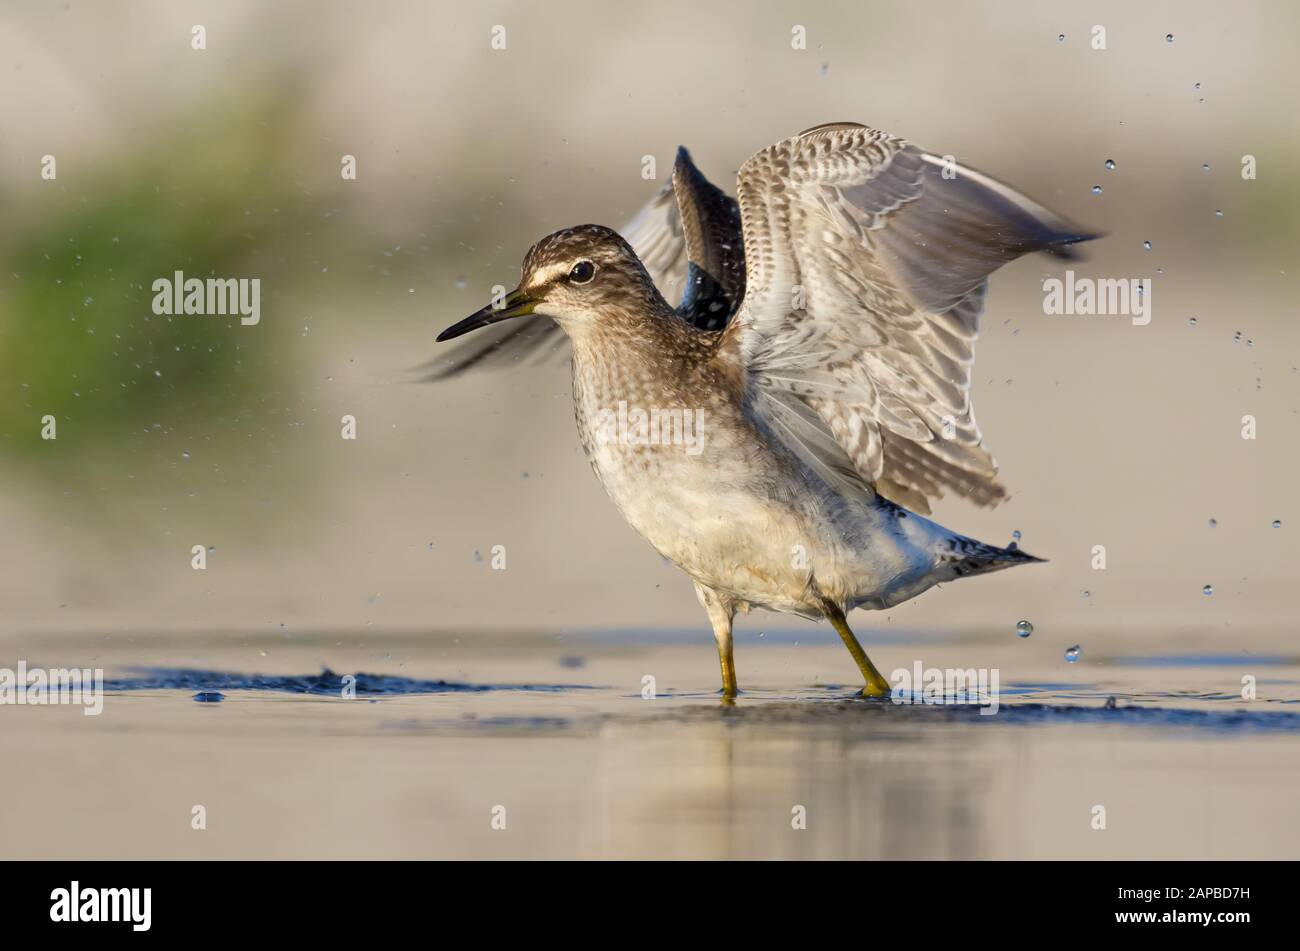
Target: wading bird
824, 340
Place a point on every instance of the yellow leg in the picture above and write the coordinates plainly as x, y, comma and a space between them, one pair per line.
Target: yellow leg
728, 664
721, 611
877, 686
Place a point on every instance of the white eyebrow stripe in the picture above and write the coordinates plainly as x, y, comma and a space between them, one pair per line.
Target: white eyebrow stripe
550, 273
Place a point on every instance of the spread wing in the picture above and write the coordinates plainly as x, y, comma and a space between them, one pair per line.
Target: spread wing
655, 234
715, 248
687, 236
867, 265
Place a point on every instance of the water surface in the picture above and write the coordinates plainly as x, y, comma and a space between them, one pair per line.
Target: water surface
440, 733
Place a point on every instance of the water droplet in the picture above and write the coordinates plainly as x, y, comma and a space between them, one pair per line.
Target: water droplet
1060, 37
1096, 189
1205, 167
1214, 522
1147, 245
1072, 653
1218, 213
157, 372
1015, 536
1277, 523
185, 455
1024, 629
1110, 165
1236, 338
1197, 86
461, 282
1191, 321
209, 696
826, 68
1087, 594
1208, 590
1169, 37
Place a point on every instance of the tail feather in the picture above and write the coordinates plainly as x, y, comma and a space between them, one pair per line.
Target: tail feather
966, 556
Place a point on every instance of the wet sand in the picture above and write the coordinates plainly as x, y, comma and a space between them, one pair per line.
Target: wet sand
444, 729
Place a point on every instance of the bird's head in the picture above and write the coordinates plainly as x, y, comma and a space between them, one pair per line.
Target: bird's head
577, 277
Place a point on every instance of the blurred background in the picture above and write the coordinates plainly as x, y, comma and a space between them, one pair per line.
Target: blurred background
183, 431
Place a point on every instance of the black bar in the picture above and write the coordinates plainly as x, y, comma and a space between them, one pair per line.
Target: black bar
893, 900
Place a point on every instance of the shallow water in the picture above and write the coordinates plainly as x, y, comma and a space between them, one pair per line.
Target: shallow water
444, 730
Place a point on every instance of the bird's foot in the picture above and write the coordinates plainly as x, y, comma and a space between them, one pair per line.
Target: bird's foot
876, 690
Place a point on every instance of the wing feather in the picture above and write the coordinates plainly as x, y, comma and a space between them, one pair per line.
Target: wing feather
867, 265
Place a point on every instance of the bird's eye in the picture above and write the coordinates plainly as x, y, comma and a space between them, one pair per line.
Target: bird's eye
582, 272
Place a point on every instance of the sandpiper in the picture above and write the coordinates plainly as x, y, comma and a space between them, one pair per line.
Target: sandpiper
823, 345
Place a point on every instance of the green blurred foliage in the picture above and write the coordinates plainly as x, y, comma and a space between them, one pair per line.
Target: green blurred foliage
216, 195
